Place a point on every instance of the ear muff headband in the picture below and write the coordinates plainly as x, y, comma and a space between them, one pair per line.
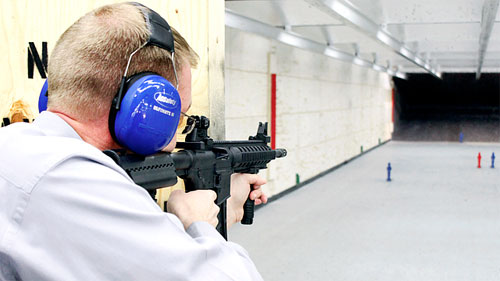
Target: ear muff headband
161, 33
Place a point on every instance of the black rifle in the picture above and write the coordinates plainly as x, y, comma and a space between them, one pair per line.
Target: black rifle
203, 164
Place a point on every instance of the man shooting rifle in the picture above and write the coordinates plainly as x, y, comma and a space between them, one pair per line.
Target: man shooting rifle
67, 211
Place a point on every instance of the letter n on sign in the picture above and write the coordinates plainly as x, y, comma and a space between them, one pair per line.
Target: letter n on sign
34, 59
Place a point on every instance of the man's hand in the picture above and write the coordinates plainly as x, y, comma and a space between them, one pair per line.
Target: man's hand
240, 191
198, 205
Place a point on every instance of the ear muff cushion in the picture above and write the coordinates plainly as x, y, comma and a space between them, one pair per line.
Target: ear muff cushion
43, 99
148, 116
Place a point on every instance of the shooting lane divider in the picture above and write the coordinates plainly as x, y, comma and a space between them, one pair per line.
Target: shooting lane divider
273, 111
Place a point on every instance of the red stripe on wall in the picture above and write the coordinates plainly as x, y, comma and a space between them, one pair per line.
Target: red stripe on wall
273, 111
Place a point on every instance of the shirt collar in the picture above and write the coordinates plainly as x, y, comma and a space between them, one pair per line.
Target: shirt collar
53, 125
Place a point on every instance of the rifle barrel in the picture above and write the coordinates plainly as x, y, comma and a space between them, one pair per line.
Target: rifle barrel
280, 152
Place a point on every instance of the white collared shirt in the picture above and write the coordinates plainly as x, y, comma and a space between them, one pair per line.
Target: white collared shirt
68, 212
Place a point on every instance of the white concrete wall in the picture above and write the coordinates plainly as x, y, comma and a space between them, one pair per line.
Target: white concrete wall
326, 109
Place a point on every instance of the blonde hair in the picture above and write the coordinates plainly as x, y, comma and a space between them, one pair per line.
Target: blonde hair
89, 59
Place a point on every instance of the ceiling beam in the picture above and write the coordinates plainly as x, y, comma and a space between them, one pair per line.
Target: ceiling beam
341, 9
490, 8
282, 15
287, 37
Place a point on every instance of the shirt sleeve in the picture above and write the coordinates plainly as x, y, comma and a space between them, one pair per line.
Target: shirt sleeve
87, 221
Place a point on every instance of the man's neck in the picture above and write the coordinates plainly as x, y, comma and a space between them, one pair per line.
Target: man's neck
94, 132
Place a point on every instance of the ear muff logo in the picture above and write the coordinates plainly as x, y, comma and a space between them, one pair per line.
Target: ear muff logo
165, 99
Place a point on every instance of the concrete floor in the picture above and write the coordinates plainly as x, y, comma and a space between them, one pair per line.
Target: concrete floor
439, 219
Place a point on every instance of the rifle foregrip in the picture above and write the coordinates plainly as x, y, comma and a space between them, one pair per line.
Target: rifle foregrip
248, 209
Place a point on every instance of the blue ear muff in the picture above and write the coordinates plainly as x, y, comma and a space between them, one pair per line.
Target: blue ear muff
148, 116
42, 100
